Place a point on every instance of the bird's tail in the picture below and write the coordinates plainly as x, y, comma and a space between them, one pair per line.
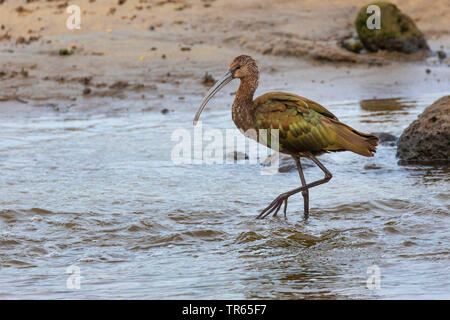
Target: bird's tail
350, 139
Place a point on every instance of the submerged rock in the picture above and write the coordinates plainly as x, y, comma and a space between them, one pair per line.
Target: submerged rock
441, 55
372, 166
386, 138
237, 156
208, 80
286, 162
428, 138
65, 52
397, 31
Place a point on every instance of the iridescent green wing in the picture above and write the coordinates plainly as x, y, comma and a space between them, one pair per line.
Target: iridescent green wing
303, 125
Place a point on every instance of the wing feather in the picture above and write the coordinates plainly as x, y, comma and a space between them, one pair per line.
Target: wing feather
305, 125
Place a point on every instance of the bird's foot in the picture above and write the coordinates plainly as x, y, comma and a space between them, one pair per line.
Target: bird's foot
275, 206
305, 215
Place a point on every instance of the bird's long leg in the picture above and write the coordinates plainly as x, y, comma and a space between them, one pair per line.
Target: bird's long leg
305, 193
276, 204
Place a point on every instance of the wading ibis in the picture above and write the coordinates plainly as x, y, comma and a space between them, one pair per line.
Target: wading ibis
306, 129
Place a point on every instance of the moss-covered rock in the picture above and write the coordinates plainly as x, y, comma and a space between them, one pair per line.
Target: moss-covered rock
65, 52
352, 45
397, 33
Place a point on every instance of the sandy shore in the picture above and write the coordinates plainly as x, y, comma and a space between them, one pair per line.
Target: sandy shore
151, 55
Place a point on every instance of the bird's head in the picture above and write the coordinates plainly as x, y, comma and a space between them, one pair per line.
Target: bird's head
242, 67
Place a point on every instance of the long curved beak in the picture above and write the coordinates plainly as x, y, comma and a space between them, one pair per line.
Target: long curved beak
219, 85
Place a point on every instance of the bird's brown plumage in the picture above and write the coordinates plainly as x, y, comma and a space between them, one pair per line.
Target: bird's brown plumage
306, 126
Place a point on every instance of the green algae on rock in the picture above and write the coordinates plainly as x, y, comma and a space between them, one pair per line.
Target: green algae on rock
65, 52
398, 32
352, 45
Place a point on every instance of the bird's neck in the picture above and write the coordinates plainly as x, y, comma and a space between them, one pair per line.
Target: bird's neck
242, 111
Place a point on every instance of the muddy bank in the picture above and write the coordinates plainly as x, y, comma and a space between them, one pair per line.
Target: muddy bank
153, 55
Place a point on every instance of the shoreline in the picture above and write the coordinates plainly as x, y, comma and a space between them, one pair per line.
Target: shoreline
156, 57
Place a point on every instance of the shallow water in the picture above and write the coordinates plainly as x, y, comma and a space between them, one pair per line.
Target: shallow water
101, 193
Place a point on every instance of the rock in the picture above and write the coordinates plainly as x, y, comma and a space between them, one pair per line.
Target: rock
86, 80
87, 91
441, 55
386, 138
5, 36
21, 9
65, 52
208, 80
119, 85
428, 138
24, 73
165, 111
20, 40
286, 163
372, 166
21, 100
236, 155
352, 45
398, 32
